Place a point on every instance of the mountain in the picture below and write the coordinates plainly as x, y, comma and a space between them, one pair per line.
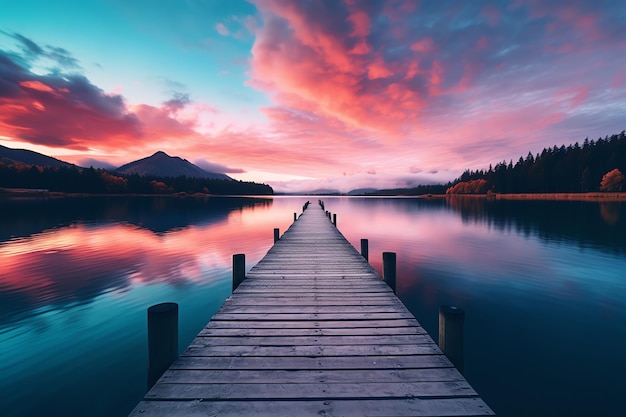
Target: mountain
362, 191
10, 155
162, 165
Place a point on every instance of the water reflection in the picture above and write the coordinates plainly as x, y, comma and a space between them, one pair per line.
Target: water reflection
78, 249
600, 225
25, 217
541, 282
77, 275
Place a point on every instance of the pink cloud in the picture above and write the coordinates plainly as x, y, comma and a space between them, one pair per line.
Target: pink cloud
36, 85
222, 29
304, 62
361, 23
423, 45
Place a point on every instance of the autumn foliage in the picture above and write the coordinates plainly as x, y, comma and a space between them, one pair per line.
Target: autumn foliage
612, 181
469, 187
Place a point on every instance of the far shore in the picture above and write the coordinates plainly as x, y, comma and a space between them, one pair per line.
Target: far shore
595, 196
39, 193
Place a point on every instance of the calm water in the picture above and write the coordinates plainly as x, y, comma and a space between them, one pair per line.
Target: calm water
543, 285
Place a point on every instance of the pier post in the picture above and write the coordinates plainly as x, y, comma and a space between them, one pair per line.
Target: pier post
451, 321
239, 269
335, 219
295, 216
389, 269
365, 249
162, 339
276, 235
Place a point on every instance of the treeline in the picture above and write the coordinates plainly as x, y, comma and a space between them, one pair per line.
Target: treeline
419, 190
100, 181
575, 168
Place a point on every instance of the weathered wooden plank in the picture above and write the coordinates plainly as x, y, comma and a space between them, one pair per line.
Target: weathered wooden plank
312, 301
316, 340
278, 309
276, 391
311, 291
311, 324
305, 362
312, 376
435, 407
334, 376
313, 288
311, 316
367, 331
197, 348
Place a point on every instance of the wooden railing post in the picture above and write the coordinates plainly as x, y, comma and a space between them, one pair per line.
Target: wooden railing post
451, 321
335, 219
295, 216
389, 269
276, 235
365, 249
162, 339
239, 269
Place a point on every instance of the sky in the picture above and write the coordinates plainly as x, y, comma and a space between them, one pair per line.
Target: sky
311, 94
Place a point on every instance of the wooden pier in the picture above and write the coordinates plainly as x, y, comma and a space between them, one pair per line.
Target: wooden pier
312, 331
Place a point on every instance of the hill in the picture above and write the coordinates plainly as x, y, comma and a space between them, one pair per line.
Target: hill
28, 170
164, 166
23, 156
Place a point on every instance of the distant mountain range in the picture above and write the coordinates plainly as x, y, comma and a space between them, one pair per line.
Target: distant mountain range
158, 165
10, 155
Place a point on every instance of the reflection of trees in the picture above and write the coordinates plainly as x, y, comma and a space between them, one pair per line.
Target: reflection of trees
610, 212
80, 248
24, 217
601, 225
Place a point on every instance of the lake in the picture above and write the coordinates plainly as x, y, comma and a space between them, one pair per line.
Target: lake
543, 285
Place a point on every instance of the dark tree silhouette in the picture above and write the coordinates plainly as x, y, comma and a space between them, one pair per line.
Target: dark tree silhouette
562, 169
99, 181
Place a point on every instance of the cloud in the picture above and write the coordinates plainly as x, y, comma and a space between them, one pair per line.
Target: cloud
177, 102
218, 168
222, 30
62, 110
437, 79
96, 163
33, 52
345, 184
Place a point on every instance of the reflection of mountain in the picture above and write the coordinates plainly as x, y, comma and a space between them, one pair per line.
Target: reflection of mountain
76, 249
601, 225
24, 217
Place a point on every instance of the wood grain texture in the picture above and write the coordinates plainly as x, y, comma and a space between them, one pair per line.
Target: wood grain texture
312, 331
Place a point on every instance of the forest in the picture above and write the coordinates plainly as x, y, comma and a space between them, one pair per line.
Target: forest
594, 166
100, 181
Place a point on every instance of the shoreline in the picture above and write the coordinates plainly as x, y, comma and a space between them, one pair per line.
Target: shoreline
592, 196
30, 193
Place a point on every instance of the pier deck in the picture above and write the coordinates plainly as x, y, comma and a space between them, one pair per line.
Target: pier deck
312, 331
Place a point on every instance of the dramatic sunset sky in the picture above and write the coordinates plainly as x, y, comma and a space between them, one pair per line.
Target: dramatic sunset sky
311, 94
